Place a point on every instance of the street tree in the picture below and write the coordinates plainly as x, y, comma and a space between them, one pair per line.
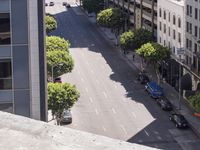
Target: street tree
55, 43
51, 23
141, 36
59, 62
154, 53
195, 101
111, 18
93, 5
61, 96
127, 40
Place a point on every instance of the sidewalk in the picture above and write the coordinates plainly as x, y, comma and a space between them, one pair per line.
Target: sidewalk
170, 93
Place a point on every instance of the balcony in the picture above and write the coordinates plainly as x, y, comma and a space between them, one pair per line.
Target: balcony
147, 15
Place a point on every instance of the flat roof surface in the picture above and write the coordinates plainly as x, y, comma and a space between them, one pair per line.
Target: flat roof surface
21, 133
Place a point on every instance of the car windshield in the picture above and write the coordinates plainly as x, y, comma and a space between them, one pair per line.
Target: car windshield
181, 119
66, 113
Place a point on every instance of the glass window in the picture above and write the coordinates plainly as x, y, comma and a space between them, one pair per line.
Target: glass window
5, 74
174, 19
4, 28
179, 22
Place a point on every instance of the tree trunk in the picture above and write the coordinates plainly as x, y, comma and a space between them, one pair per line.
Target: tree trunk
157, 73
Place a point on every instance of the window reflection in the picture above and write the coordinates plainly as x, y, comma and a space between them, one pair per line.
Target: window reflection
4, 28
5, 74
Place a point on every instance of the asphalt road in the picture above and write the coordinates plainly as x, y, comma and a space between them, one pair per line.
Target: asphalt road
112, 102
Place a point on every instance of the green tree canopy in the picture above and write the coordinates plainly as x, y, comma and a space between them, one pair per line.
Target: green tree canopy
132, 40
93, 5
127, 40
195, 101
61, 61
61, 96
154, 53
51, 23
111, 18
55, 43
141, 36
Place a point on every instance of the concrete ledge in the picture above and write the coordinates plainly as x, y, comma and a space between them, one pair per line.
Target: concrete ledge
17, 132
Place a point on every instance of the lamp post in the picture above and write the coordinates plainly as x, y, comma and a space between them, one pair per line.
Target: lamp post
179, 83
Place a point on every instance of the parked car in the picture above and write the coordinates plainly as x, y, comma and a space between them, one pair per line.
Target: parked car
66, 116
179, 120
46, 4
154, 90
51, 4
143, 78
57, 80
164, 104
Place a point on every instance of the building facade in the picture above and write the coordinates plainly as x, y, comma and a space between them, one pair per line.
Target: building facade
141, 13
22, 58
171, 26
192, 55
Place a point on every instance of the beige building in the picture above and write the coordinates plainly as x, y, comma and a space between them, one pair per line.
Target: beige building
141, 13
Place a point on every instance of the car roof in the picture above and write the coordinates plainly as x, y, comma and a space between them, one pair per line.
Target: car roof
154, 86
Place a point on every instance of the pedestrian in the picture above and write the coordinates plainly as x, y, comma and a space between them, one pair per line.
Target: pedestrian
133, 56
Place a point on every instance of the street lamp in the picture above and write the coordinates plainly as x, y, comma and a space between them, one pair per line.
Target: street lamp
52, 67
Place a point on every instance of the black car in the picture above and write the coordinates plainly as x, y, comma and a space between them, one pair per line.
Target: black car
179, 120
143, 78
51, 4
46, 4
164, 104
66, 116
57, 80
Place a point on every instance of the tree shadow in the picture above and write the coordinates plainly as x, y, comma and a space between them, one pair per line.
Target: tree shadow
73, 25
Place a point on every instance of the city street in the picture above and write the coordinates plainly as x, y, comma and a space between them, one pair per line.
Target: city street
112, 102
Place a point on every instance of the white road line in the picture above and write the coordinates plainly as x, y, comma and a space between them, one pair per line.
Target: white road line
96, 111
104, 129
86, 89
97, 81
124, 129
133, 114
146, 132
82, 79
113, 110
92, 71
104, 93
91, 100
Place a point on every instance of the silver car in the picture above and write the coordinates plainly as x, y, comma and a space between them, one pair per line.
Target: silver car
66, 116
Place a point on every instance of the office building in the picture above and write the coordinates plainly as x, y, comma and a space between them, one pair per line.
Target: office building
22, 58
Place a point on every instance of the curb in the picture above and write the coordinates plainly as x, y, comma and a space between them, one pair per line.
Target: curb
133, 66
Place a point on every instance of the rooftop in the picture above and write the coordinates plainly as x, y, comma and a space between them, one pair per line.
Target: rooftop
21, 133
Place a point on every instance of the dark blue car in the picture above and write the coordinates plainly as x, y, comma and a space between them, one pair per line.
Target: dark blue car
154, 90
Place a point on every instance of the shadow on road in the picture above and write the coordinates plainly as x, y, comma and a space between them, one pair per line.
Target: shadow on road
74, 26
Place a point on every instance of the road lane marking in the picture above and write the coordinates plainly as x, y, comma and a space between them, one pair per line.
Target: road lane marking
91, 100
146, 133
124, 129
133, 114
97, 81
104, 129
113, 110
92, 71
96, 111
86, 90
104, 93
82, 79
